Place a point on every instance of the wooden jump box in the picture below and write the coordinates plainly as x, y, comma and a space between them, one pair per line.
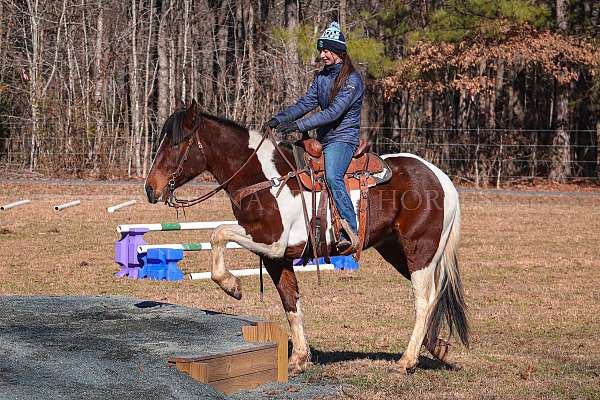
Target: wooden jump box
242, 369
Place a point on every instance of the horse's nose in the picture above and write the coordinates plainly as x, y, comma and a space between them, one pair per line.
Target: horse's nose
150, 193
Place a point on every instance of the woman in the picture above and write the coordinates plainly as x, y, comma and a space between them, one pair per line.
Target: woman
338, 90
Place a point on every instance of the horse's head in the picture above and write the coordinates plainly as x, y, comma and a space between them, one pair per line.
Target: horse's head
180, 156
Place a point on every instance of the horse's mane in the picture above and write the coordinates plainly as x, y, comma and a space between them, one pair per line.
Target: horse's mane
224, 121
174, 125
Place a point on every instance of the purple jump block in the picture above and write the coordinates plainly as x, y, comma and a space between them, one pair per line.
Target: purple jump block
126, 252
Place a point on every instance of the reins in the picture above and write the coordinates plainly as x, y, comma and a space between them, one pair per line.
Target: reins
176, 203
307, 223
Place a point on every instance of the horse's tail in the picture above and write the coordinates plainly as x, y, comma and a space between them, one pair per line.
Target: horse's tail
449, 304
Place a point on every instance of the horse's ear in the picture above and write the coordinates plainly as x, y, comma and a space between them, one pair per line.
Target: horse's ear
180, 105
191, 114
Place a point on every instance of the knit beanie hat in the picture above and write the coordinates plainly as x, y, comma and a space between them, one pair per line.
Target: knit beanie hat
332, 39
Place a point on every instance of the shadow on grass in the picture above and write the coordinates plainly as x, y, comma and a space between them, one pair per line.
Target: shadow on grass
331, 357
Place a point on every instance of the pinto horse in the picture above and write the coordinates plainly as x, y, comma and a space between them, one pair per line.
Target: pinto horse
414, 223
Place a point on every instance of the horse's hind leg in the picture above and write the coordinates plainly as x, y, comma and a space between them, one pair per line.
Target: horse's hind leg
423, 291
282, 273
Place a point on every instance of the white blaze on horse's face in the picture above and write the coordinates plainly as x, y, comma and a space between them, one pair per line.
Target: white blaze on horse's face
153, 185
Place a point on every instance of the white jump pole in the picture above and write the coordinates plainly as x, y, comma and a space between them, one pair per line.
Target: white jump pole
185, 246
67, 205
256, 271
15, 204
184, 226
112, 209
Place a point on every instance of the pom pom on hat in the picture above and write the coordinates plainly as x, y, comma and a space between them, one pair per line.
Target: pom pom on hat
332, 39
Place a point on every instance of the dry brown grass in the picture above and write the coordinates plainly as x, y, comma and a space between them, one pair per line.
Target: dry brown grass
530, 267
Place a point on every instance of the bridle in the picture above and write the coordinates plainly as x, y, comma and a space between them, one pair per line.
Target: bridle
173, 201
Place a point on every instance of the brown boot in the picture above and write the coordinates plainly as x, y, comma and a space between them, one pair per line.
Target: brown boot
345, 246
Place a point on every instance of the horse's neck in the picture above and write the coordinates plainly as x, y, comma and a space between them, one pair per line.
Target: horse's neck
231, 149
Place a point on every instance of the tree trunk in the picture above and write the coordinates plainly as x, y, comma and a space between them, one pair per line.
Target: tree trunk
222, 37
99, 79
239, 52
34, 58
250, 96
85, 80
148, 88
134, 93
495, 96
343, 9
184, 69
424, 12
595, 16
561, 155
4, 21
291, 47
163, 110
560, 168
562, 10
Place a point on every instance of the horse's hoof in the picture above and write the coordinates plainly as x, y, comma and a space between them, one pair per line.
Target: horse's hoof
395, 370
232, 286
440, 350
235, 292
405, 367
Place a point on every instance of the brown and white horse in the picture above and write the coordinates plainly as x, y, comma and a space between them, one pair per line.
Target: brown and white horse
414, 223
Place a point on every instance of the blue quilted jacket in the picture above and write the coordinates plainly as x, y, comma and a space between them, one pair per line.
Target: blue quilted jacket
336, 122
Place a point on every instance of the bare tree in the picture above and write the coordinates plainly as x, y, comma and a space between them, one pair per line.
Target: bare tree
291, 71
136, 134
162, 49
149, 79
561, 143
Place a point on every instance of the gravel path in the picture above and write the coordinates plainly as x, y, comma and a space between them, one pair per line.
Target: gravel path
116, 348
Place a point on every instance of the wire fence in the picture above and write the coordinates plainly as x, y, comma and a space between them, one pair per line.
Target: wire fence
481, 156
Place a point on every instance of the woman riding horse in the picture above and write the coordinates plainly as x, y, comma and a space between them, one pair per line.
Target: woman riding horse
338, 90
414, 218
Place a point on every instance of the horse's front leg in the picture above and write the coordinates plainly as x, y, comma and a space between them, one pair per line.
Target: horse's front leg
282, 273
235, 233
218, 273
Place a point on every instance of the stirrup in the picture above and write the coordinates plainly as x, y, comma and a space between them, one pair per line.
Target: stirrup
342, 246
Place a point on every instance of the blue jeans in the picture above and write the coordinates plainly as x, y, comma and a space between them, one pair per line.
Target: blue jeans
337, 158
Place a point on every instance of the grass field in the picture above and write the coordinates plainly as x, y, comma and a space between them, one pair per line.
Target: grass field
530, 267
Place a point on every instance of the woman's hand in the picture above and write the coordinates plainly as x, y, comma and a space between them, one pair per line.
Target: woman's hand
272, 123
287, 127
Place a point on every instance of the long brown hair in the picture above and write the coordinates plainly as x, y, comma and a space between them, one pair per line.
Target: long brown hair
347, 69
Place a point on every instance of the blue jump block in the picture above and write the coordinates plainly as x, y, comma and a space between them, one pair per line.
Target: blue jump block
161, 264
345, 263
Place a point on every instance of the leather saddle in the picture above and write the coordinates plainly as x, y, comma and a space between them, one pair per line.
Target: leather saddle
365, 170
309, 154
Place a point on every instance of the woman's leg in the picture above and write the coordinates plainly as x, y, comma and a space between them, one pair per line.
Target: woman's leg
337, 158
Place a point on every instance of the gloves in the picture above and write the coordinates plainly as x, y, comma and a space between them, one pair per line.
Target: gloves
287, 128
272, 123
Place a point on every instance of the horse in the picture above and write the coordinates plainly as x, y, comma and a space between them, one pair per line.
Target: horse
414, 223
